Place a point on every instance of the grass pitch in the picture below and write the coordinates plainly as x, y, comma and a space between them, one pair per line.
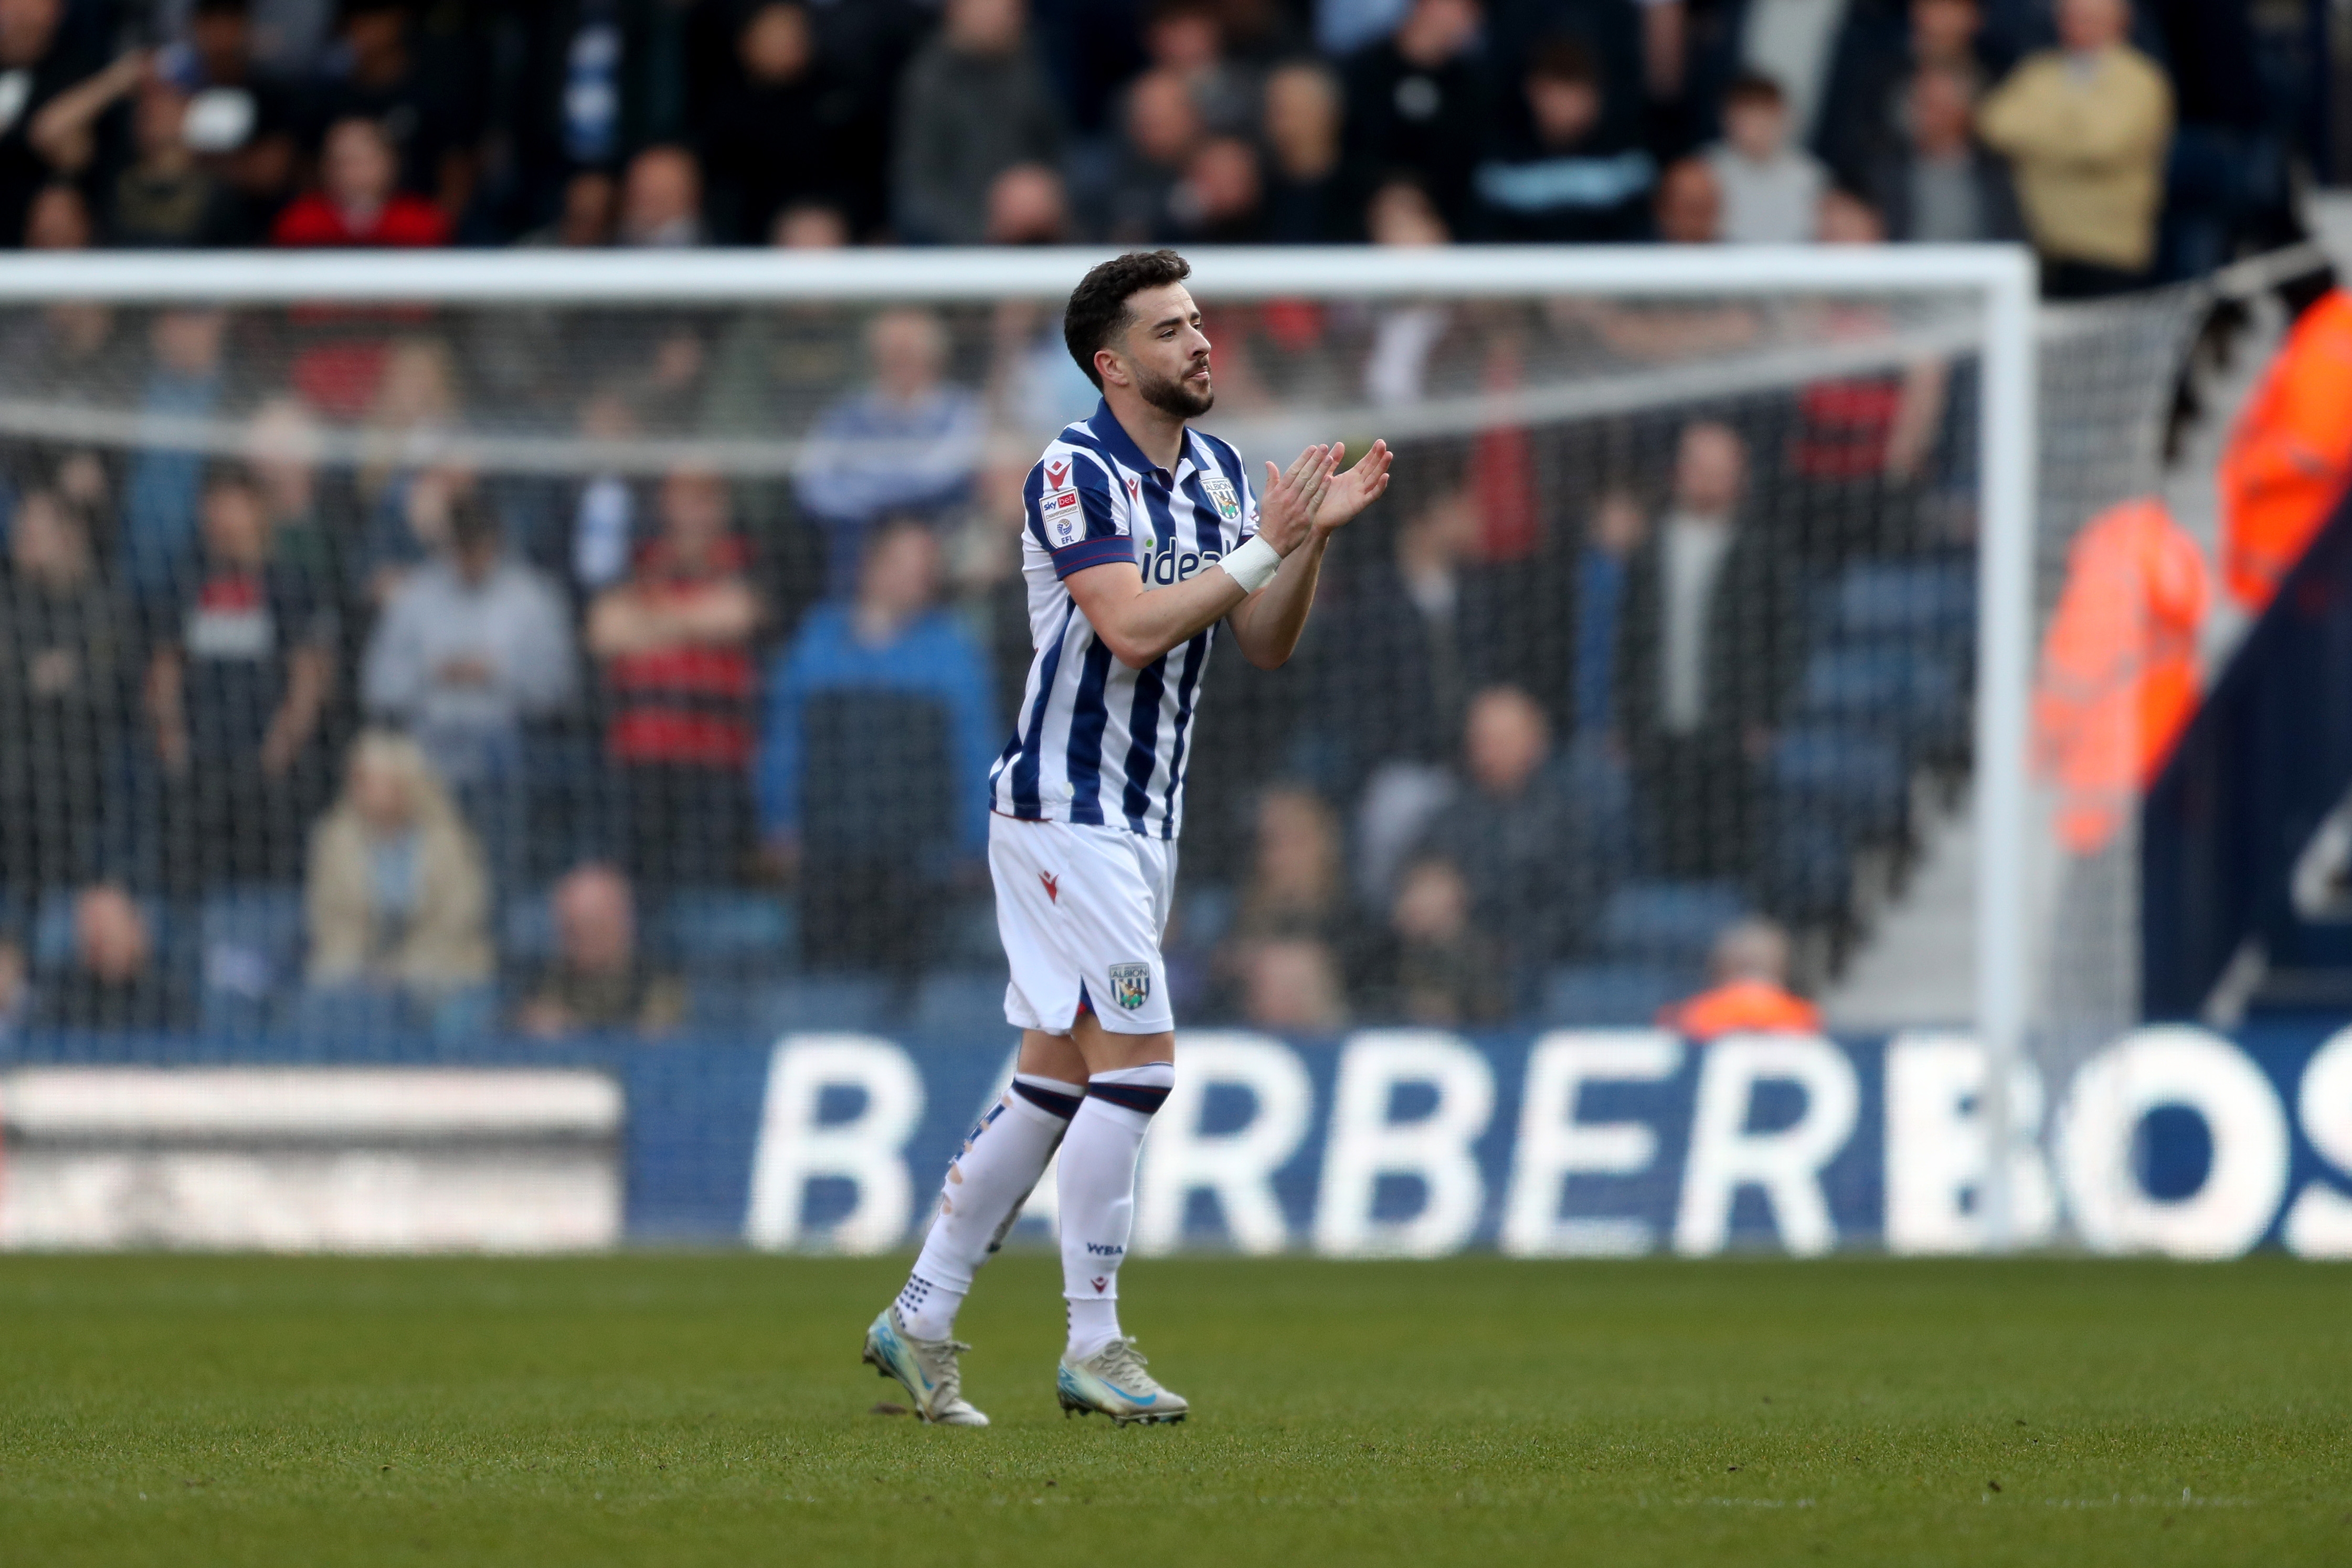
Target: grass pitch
694, 1409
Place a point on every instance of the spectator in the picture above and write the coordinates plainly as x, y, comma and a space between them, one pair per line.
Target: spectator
243, 666
183, 381
1702, 663
418, 95
1553, 173
242, 115
1865, 111
973, 103
471, 647
114, 979
41, 58
66, 674
589, 219
1163, 127
358, 202
1221, 200
1406, 336
1611, 539
1521, 842
676, 645
2086, 126
1187, 37
1939, 186
1293, 985
398, 900
775, 136
1026, 206
65, 133
1750, 991
1304, 201
1297, 889
166, 198
908, 443
1417, 105
1034, 385
661, 201
1413, 635
1689, 206
599, 982
59, 219
812, 225
306, 531
1435, 967
1771, 189
885, 701
1861, 442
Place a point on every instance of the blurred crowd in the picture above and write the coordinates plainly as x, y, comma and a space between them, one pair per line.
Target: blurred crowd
2127, 142
331, 732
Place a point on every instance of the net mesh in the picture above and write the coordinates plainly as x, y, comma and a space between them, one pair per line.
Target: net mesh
454, 670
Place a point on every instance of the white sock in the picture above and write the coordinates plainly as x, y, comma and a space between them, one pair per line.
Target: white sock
986, 1186
1097, 1193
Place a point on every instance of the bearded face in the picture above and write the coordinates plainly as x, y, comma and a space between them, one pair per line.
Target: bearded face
1187, 398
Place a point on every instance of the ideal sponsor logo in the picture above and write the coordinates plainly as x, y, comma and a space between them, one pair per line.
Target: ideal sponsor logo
1168, 564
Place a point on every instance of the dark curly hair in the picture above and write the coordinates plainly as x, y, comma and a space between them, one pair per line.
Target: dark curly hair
1098, 311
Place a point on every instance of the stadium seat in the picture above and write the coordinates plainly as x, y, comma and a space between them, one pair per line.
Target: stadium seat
1931, 603
966, 1002
1809, 871
760, 1013
724, 932
250, 941
527, 933
1670, 924
1593, 994
337, 1015
1896, 691
1858, 781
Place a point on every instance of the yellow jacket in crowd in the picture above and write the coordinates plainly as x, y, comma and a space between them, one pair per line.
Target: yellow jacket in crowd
2085, 136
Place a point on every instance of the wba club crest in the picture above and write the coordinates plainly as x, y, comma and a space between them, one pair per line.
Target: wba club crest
1221, 494
1130, 984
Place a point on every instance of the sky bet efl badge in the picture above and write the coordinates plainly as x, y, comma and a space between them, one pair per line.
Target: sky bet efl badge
1221, 492
1130, 984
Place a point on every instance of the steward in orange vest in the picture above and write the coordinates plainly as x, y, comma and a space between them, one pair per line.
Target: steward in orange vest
2290, 456
2120, 677
1751, 997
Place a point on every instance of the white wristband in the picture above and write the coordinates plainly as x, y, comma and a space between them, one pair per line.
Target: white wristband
1254, 565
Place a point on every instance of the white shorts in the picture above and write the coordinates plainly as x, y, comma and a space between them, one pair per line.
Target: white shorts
1081, 910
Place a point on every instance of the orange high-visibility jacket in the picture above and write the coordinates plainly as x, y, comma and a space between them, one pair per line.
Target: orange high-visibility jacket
2290, 455
2120, 677
1741, 1007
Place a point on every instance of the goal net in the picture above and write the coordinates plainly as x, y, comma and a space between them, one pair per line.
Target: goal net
390, 641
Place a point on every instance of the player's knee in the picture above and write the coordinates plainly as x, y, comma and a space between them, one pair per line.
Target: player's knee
1142, 1089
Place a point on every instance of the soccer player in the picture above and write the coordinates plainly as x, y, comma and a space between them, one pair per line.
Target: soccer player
1142, 535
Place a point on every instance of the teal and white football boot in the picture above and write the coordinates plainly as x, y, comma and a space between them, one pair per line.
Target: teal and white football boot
1113, 1380
925, 1368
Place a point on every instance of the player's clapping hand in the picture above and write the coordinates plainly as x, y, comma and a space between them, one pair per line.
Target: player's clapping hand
1285, 512
1346, 495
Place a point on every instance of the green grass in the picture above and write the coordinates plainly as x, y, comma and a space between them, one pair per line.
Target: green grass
694, 1409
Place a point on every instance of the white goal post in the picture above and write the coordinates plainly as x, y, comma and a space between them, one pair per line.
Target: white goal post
2002, 328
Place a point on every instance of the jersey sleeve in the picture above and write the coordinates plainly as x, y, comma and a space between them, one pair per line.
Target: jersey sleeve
1075, 514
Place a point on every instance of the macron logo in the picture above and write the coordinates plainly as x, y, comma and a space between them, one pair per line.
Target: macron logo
1053, 887
1057, 474
1100, 1282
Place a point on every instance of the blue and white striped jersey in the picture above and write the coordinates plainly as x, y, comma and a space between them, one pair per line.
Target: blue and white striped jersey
1096, 741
